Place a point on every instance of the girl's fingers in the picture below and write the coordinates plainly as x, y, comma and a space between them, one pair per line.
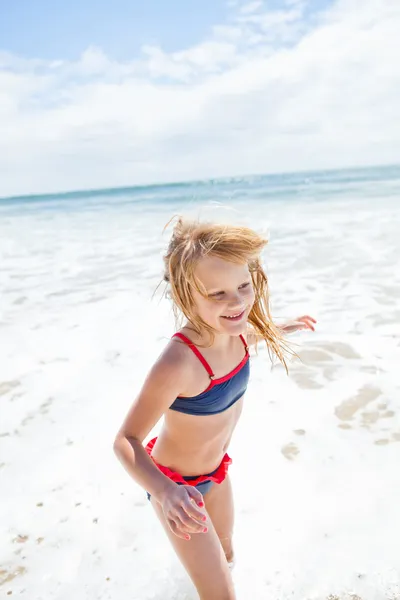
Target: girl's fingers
190, 508
188, 522
307, 321
183, 529
308, 318
177, 531
195, 495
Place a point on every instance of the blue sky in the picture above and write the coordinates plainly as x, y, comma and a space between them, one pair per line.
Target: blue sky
63, 29
54, 29
98, 94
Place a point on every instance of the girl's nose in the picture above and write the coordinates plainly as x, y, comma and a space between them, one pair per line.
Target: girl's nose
236, 302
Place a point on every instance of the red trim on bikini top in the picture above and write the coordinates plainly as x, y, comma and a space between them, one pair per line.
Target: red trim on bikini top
218, 476
214, 381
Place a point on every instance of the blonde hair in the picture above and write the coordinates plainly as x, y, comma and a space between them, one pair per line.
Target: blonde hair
191, 241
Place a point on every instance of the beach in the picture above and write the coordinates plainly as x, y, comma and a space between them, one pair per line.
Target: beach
316, 455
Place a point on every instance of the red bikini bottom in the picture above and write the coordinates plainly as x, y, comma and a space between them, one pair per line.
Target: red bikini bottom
216, 476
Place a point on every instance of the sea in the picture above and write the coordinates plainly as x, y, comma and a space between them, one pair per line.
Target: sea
316, 454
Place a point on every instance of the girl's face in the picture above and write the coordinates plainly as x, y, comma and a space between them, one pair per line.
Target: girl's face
229, 295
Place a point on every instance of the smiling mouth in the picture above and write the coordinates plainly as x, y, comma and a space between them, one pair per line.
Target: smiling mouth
236, 317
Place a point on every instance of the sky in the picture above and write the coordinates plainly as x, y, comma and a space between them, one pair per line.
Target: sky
94, 94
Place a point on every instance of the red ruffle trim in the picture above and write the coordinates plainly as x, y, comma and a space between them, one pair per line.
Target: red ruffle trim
217, 477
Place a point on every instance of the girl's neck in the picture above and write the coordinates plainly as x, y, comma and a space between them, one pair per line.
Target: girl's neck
221, 340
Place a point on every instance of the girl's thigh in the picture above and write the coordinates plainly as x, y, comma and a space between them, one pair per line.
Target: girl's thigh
204, 560
220, 507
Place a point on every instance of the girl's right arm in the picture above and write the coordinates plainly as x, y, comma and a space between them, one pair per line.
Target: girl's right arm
167, 379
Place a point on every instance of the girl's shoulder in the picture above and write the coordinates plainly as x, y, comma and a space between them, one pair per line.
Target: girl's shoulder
172, 367
178, 355
175, 352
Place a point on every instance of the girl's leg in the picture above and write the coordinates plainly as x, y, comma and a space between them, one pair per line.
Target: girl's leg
220, 507
204, 560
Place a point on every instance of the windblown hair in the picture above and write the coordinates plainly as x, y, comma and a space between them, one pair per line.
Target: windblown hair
191, 241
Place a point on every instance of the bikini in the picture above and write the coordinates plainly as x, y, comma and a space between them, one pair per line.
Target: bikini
221, 394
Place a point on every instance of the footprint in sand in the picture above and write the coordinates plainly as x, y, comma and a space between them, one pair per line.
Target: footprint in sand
348, 409
20, 539
305, 381
6, 386
340, 349
8, 575
290, 451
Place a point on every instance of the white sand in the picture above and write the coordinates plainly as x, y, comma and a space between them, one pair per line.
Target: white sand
316, 456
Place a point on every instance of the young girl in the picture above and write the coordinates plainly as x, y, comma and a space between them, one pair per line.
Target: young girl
198, 383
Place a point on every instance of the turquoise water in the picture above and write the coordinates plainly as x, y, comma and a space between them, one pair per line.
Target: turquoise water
312, 185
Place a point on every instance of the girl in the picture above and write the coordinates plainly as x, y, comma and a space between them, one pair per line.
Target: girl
217, 283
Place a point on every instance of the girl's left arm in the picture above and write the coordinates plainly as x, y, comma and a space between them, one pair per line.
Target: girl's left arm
304, 322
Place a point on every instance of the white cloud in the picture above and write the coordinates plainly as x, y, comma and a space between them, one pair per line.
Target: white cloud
251, 7
267, 92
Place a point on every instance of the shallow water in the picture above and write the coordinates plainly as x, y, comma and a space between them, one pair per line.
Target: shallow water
316, 455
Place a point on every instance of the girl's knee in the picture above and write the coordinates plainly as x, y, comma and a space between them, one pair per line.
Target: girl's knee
227, 546
230, 555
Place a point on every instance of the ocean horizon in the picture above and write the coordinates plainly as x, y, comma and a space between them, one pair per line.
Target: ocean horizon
339, 175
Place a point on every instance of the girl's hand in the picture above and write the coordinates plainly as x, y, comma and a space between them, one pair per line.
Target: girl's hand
180, 507
298, 324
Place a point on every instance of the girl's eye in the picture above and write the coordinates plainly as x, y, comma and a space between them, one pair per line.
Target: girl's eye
220, 294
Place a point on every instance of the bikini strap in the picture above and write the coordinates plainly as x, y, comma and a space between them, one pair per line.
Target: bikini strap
244, 343
196, 352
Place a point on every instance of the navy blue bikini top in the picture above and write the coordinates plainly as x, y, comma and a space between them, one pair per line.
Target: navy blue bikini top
222, 392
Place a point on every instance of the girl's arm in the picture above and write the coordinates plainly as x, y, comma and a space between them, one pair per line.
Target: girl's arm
166, 380
298, 324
